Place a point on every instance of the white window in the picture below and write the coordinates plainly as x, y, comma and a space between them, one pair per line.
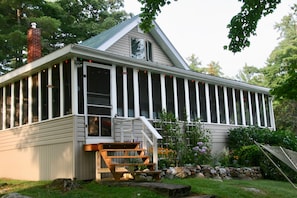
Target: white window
141, 49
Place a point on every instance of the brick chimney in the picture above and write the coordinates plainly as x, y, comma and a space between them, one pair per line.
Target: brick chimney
34, 43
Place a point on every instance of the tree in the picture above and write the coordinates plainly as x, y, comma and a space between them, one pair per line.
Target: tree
61, 22
241, 27
281, 69
251, 74
214, 69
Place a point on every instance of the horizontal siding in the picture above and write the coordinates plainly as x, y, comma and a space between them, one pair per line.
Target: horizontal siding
39, 151
37, 134
85, 163
122, 47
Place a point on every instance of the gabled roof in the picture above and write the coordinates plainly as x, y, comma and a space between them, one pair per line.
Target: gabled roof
107, 38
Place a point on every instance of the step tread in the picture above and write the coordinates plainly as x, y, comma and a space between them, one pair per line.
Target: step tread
133, 164
128, 156
122, 150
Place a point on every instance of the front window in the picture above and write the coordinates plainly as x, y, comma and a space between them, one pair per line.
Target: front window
141, 49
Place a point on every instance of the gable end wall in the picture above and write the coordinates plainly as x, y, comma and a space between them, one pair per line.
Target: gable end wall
122, 47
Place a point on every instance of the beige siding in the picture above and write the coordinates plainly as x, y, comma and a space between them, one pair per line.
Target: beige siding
39, 151
85, 163
219, 136
122, 47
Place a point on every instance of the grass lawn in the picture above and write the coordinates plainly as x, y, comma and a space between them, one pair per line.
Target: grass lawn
225, 189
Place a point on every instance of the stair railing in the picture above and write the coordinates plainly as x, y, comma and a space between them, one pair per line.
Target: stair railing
140, 128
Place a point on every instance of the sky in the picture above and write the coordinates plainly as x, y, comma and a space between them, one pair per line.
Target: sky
200, 27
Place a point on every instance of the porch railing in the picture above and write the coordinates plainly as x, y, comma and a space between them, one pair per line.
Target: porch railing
139, 130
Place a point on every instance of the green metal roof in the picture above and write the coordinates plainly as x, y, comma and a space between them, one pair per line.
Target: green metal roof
100, 39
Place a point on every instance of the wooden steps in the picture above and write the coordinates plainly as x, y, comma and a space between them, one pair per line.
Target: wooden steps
127, 157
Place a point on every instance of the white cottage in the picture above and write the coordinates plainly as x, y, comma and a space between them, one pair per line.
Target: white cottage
59, 110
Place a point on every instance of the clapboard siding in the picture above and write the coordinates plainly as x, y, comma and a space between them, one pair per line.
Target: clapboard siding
39, 151
219, 135
123, 47
85, 165
47, 132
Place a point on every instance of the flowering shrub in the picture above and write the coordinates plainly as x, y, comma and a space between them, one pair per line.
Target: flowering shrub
201, 153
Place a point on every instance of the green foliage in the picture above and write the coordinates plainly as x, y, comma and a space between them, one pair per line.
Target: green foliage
244, 24
249, 155
241, 27
61, 23
188, 141
245, 151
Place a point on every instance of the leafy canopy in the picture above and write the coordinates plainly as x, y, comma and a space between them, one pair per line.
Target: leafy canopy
241, 27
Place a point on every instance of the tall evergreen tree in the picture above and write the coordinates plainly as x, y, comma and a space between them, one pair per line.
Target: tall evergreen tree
62, 22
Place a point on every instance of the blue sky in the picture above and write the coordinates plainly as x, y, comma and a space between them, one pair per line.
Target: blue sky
199, 27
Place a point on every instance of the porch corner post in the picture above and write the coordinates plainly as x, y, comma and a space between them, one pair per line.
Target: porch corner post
155, 152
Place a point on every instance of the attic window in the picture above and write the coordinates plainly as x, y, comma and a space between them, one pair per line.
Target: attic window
141, 49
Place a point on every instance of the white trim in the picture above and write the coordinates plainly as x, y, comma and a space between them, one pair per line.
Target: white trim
50, 93
74, 87
136, 93
257, 109
30, 86
39, 97
118, 35
113, 90
208, 113
250, 108
175, 97
12, 107
264, 110
150, 94
226, 105
272, 119
4, 107
187, 99
234, 106
85, 98
242, 108
217, 104
21, 113
163, 92
125, 91
197, 99
61, 75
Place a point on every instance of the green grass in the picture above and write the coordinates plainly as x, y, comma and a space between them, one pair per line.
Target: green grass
225, 189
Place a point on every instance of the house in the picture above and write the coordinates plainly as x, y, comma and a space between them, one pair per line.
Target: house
83, 94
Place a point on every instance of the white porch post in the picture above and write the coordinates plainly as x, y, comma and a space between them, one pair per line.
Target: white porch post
175, 97
242, 108
264, 110
234, 107
12, 103
39, 97
21, 103
50, 94
136, 93
74, 86
208, 113
272, 120
226, 105
197, 99
257, 109
150, 94
163, 92
30, 113
113, 90
187, 99
250, 108
61, 89
125, 92
217, 104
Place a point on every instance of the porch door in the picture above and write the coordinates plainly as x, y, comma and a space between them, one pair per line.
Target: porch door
98, 102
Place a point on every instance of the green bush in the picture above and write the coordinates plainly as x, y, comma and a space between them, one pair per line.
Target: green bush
242, 147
